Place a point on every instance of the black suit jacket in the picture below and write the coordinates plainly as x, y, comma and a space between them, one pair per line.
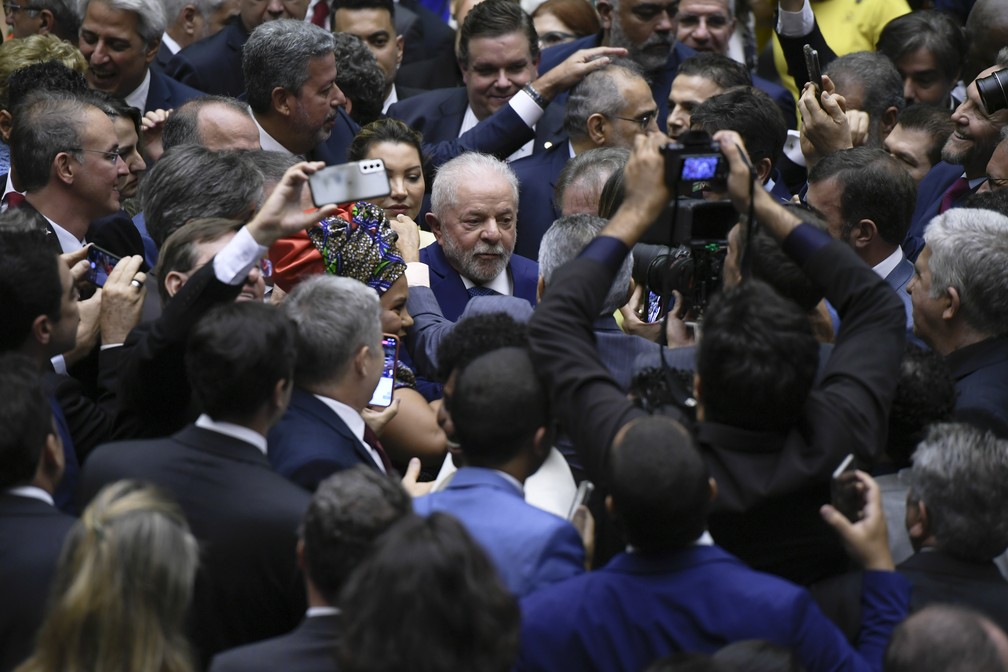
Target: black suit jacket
981, 381
32, 532
245, 517
309, 648
166, 94
937, 576
754, 470
213, 65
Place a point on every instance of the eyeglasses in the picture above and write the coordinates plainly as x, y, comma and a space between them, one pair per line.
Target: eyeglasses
643, 121
111, 157
11, 8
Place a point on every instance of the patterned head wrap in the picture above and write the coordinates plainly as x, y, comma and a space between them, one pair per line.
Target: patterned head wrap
363, 248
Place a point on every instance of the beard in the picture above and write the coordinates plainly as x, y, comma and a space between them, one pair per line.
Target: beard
651, 55
468, 263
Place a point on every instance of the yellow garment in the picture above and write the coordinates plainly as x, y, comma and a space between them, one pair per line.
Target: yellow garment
848, 26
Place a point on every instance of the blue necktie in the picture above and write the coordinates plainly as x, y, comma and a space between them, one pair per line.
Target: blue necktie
480, 290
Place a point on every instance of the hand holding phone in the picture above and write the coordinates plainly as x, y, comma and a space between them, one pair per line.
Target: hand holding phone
846, 492
102, 262
390, 354
814, 71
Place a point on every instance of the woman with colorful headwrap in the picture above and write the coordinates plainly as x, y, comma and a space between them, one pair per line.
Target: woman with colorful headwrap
359, 243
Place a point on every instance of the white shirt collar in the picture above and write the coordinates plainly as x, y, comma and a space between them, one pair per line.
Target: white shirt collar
501, 284
469, 121
321, 611
353, 420
234, 431
32, 492
886, 266
512, 480
173, 46
267, 141
68, 242
393, 97
138, 98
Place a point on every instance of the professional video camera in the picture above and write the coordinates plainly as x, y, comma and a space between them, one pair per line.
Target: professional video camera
685, 249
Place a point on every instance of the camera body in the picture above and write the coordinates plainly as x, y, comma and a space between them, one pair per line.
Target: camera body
993, 91
695, 163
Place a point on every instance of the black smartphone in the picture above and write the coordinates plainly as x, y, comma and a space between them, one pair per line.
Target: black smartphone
845, 492
583, 494
814, 71
102, 262
383, 392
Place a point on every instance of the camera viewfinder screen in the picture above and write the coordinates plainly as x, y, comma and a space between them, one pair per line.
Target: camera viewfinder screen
702, 167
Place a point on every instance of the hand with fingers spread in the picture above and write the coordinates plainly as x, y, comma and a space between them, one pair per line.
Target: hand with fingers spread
866, 540
282, 214
579, 64
122, 300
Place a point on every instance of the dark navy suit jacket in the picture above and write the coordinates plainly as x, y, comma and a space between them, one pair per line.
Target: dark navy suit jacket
451, 293
167, 94
213, 65
537, 177
929, 198
981, 382
785, 101
311, 647
661, 80
643, 606
531, 548
311, 442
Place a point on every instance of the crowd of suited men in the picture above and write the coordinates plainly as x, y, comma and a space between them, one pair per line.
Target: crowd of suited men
607, 441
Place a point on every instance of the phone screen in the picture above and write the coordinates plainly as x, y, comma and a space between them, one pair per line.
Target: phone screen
102, 262
390, 352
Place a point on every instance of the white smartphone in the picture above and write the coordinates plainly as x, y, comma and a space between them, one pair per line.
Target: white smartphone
348, 182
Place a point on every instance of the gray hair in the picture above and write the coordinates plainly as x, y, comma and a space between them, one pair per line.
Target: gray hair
466, 167
182, 126
969, 251
598, 93
277, 55
960, 473
879, 79
191, 182
591, 168
151, 17
272, 165
66, 20
565, 239
46, 124
335, 317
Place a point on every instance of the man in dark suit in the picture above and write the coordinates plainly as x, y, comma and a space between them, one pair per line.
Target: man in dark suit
119, 41
675, 590
969, 148
239, 359
349, 510
190, 21
753, 431
954, 519
608, 108
867, 198
474, 208
647, 31
214, 65
499, 412
958, 296
339, 363
78, 184
33, 529
58, 17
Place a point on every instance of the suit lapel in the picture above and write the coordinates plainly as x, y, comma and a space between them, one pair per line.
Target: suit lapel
308, 404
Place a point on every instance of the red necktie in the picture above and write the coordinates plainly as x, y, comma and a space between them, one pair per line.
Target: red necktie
320, 14
14, 200
371, 439
958, 188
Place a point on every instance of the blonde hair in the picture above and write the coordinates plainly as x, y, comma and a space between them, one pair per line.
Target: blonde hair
25, 51
122, 588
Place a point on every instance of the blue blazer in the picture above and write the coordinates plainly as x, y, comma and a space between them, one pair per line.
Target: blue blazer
661, 80
537, 177
643, 606
213, 65
785, 101
167, 94
451, 293
531, 548
311, 442
929, 198
438, 116
981, 382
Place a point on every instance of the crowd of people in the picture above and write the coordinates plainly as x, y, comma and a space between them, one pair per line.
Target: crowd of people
660, 350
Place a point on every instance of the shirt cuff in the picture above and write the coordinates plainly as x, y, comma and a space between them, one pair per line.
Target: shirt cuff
526, 108
109, 346
59, 365
805, 241
417, 274
796, 24
233, 263
606, 250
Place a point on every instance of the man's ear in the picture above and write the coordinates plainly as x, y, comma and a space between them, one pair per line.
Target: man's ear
888, 122
362, 360
918, 526
6, 125
863, 234
540, 287
596, 127
713, 488
435, 225
152, 50
542, 441
299, 554
605, 10
41, 329
763, 170
53, 458
281, 99
173, 282
64, 168
48, 21
189, 16
400, 44
952, 308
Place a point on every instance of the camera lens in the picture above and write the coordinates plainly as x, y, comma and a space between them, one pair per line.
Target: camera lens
992, 91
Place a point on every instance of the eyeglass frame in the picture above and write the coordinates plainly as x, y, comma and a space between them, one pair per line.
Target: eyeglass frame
643, 121
108, 155
11, 9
